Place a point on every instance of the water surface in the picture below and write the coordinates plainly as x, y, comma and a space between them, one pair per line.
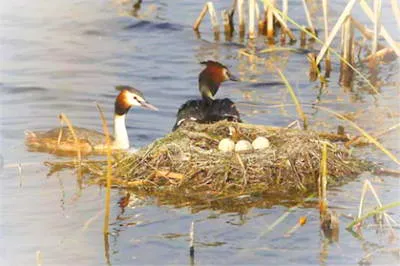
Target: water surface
63, 56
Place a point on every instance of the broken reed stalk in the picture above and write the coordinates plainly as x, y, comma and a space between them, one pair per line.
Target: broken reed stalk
240, 12
396, 11
302, 221
368, 186
285, 8
109, 173
39, 259
209, 6
308, 16
200, 18
393, 44
64, 118
314, 71
284, 215
328, 66
322, 181
346, 74
367, 33
362, 131
377, 24
20, 174
270, 19
191, 243
346, 12
380, 55
260, 21
364, 78
372, 213
252, 29
214, 18
303, 37
283, 23
227, 26
294, 98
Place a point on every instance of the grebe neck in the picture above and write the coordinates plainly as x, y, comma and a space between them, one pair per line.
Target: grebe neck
121, 139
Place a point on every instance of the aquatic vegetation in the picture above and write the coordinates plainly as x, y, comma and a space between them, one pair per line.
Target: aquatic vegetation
187, 163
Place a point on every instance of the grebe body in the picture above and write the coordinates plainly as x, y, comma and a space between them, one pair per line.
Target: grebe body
61, 140
209, 109
204, 112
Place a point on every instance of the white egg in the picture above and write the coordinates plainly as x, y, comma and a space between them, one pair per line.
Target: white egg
260, 143
226, 145
243, 145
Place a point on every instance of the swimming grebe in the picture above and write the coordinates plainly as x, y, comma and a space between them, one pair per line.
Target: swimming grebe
90, 141
209, 109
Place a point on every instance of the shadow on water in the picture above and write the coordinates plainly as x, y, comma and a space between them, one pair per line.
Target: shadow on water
154, 26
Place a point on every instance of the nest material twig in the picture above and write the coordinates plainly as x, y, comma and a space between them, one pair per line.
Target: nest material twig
188, 162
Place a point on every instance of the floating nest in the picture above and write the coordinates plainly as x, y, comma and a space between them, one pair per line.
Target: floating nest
187, 165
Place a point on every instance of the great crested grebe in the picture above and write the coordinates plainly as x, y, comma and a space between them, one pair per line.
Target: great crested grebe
60, 140
211, 78
209, 109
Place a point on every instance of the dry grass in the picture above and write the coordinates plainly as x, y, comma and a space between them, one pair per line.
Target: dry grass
186, 164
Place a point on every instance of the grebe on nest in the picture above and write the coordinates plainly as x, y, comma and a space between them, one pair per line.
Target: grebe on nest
209, 109
61, 141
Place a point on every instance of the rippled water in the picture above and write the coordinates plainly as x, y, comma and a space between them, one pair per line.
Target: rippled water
63, 56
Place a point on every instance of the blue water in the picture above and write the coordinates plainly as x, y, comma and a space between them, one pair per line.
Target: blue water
63, 56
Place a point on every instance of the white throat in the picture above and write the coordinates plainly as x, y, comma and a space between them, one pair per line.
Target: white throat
121, 140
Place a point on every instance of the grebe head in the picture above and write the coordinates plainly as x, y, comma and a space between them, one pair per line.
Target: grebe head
129, 97
211, 78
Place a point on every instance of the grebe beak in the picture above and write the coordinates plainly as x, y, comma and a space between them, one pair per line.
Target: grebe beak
232, 77
148, 106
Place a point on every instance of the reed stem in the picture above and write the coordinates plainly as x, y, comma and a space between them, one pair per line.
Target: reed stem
346, 12
308, 16
200, 18
252, 31
346, 73
328, 66
372, 213
285, 214
270, 19
294, 98
377, 25
240, 13
348, 41
227, 25
396, 11
283, 23
109, 173
285, 8
362, 131
64, 118
323, 180
191, 244
214, 18
363, 77
393, 44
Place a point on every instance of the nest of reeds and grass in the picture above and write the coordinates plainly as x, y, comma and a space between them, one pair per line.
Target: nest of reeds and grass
188, 162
